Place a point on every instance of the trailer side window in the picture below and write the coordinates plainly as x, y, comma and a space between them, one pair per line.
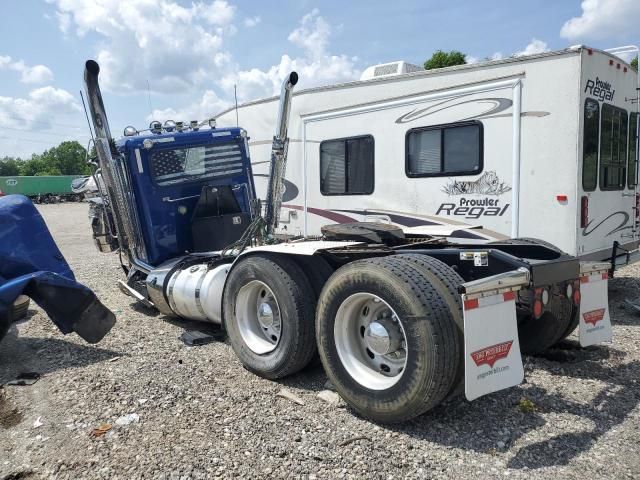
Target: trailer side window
454, 149
590, 145
346, 166
633, 149
613, 148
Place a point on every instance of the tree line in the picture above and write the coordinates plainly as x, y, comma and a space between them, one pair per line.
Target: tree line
441, 59
68, 158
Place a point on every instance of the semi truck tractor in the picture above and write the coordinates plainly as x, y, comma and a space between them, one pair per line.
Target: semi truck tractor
401, 320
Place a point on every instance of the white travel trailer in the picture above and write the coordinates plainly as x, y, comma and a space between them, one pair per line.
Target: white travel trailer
541, 146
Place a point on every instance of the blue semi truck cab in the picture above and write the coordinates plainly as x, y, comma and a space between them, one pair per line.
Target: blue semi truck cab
188, 182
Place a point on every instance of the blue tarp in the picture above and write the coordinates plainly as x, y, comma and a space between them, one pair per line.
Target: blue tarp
31, 264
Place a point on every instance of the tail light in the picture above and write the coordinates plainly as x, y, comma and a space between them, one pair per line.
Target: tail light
637, 207
576, 293
584, 211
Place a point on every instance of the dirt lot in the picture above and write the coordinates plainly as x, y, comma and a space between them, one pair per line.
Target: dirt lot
201, 415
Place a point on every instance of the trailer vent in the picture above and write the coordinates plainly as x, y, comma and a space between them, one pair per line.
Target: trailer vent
388, 69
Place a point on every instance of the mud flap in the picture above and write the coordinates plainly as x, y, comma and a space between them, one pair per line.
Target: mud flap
595, 324
491, 348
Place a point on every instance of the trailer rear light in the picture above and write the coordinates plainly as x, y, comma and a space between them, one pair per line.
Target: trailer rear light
590, 51
576, 292
562, 198
584, 211
610, 62
637, 206
624, 69
618, 66
537, 308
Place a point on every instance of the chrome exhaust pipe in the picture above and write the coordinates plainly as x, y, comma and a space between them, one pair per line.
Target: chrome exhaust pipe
114, 173
279, 155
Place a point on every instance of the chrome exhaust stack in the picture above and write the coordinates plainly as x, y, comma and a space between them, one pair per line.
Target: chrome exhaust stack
114, 173
279, 155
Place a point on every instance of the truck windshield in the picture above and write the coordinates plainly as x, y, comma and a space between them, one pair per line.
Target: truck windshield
181, 165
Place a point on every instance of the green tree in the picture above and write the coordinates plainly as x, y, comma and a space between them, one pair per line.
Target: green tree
68, 158
441, 59
634, 64
10, 166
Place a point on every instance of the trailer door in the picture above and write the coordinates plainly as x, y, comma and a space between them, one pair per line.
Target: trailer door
608, 215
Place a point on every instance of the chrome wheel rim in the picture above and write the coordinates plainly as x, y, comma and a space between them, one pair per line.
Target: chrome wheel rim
370, 341
258, 317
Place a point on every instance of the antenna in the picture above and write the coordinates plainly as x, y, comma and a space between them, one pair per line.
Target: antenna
149, 97
87, 115
235, 94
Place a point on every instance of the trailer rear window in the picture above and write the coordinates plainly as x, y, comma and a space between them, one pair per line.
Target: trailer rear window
590, 145
613, 148
346, 166
181, 165
454, 149
633, 149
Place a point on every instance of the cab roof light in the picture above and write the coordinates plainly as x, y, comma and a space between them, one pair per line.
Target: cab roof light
130, 131
212, 122
194, 125
169, 126
155, 127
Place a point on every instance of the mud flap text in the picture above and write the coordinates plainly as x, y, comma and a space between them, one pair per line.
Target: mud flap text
491, 348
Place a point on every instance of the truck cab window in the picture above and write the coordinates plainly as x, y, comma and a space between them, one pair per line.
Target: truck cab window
346, 166
182, 165
633, 149
454, 149
613, 148
590, 145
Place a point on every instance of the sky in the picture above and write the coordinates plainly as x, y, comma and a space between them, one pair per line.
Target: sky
180, 59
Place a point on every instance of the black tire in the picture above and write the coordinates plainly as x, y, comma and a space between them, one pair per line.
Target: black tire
296, 302
432, 340
446, 280
538, 334
556, 324
316, 269
20, 308
17, 312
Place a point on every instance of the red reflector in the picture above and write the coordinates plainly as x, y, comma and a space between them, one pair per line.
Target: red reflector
584, 211
537, 308
584, 279
624, 69
618, 66
605, 276
471, 304
610, 62
562, 198
576, 297
509, 296
590, 51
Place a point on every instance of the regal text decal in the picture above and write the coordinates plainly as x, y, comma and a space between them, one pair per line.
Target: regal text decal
488, 185
474, 208
600, 89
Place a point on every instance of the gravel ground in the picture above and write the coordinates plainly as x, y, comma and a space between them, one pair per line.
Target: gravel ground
199, 414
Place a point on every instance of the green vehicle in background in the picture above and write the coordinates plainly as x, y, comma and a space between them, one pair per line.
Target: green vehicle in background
41, 189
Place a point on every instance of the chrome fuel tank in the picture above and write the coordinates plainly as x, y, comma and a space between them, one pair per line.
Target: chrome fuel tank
195, 292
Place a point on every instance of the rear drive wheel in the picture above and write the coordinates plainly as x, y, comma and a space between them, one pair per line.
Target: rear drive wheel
538, 334
447, 281
269, 310
386, 339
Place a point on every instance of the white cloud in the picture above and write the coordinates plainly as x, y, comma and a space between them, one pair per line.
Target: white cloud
38, 108
534, 47
34, 74
172, 46
316, 67
206, 107
603, 19
252, 21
